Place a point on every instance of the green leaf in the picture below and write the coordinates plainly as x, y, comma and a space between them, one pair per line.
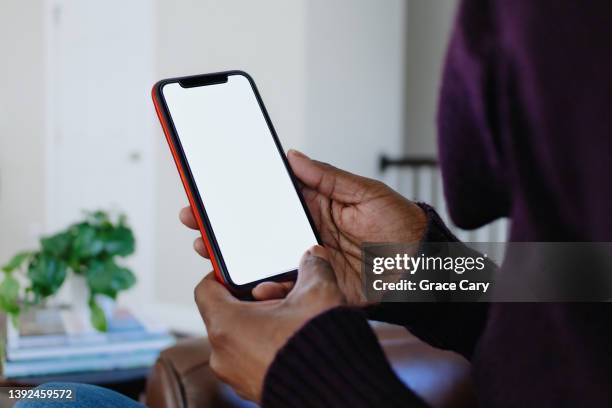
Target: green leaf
9, 295
118, 241
16, 261
87, 248
98, 318
108, 278
86, 242
57, 245
46, 274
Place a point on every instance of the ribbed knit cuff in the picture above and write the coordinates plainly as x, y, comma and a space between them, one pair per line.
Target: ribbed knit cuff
451, 326
436, 230
335, 360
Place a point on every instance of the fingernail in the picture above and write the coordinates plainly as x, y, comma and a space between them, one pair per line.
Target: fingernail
297, 153
318, 251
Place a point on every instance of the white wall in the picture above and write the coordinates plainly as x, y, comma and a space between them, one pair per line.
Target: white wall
22, 125
355, 81
427, 31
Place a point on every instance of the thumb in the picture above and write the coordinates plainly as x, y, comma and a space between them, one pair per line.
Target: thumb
328, 180
314, 267
212, 298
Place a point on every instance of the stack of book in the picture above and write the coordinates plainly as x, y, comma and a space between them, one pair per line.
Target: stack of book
61, 341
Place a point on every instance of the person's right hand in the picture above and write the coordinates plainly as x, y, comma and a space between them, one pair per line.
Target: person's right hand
348, 210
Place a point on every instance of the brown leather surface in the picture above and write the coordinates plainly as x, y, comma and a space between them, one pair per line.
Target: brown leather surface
181, 377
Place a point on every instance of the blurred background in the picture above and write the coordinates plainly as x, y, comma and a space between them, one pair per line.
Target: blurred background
345, 81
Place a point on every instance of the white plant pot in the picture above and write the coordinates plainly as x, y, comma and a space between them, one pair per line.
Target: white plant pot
79, 293
80, 297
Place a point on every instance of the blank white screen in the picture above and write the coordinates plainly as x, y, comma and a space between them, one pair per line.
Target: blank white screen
253, 208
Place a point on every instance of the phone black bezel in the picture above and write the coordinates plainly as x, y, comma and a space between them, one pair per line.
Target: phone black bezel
243, 290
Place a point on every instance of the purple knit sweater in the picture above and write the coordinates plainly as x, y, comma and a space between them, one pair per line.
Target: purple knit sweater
525, 132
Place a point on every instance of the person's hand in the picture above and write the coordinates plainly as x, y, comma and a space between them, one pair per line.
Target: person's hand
245, 336
347, 210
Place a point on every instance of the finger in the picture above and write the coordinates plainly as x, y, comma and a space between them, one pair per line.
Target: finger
200, 248
213, 298
186, 216
271, 290
328, 180
314, 266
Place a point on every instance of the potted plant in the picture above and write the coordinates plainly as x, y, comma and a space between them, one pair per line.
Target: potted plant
89, 248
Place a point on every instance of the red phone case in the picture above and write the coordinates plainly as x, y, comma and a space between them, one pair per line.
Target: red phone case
182, 172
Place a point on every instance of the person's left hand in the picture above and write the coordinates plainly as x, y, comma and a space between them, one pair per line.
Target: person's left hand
245, 336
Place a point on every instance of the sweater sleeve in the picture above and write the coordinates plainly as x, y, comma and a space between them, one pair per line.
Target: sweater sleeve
451, 326
335, 360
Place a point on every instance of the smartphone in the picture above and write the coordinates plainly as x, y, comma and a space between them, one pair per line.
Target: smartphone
246, 201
